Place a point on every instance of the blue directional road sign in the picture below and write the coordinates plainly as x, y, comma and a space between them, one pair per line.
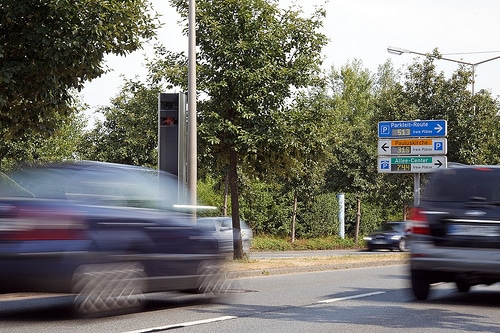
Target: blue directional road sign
414, 128
411, 164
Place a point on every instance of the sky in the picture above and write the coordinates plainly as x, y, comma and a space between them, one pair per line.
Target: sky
463, 30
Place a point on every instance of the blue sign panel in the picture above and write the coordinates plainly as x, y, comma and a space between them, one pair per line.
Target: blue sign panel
414, 128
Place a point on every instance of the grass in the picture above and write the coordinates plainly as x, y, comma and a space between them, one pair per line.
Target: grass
269, 243
265, 266
277, 265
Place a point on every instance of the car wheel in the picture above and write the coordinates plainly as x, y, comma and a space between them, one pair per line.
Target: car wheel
212, 281
420, 285
463, 286
402, 245
101, 288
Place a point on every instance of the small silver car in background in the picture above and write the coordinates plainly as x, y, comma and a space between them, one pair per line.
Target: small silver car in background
223, 225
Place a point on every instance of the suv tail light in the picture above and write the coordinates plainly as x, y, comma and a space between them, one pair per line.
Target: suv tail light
419, 222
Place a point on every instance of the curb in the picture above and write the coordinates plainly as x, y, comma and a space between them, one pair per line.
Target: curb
312, 268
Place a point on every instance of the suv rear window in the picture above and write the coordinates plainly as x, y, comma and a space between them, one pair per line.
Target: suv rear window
464, 184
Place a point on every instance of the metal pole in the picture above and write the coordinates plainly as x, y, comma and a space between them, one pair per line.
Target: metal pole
192, 149
341, 199
416, 189
473, 81
181, 152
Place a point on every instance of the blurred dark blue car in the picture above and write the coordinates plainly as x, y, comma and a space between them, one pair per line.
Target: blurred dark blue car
106, 233
390, 236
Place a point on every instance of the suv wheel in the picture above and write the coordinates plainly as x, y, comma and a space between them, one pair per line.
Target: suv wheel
420, 285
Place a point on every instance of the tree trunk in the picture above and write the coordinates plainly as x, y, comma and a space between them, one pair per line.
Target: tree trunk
226, 190
235, 209
358, 221
294, 215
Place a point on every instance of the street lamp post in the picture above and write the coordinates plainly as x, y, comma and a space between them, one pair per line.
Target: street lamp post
192, 121
400, 51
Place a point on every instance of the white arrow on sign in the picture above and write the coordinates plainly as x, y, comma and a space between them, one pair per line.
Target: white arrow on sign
438, 128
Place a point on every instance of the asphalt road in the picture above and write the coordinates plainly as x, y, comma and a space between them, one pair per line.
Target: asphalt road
375, 299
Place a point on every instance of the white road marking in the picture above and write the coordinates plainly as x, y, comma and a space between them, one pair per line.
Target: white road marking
186, 324
212, 320
351, 297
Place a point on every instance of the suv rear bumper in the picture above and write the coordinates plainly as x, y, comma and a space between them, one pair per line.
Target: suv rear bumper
427, 257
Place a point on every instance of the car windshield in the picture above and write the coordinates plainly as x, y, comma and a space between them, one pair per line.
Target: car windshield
98, 185
391, 227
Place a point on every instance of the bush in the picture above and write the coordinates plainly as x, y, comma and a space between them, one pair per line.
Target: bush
271, 243
320, 219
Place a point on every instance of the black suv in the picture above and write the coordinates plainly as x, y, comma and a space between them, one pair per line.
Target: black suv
456, 230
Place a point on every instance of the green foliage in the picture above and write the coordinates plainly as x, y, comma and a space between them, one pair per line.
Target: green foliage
320, 217
265, 207
209, 196
49, 48
271, 243
62, 144
267, 243
353, 165
372, 216
129, 132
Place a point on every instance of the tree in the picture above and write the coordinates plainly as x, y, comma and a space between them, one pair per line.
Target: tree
129, 132
305, 133
353, 103
251, 55
48, 48
352, 168
61, 145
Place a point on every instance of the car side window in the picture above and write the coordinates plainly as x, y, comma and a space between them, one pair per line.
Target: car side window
227, 223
